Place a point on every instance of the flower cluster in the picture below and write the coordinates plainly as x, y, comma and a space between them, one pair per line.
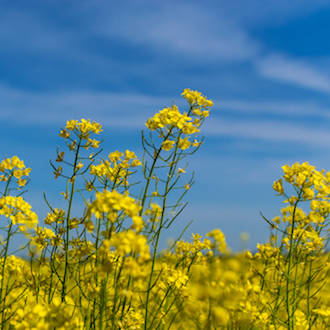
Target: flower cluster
128, 242
304, 176
18, 211
46, 316
82, 129
57, 216
41, 237
196, 99
116, 168
111, 203
219, 240
172, 117
14, 168
188, 123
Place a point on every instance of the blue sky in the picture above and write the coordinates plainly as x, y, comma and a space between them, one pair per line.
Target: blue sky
265, 64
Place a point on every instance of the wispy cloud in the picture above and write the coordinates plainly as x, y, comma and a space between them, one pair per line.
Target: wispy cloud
198, 32
293, 108
120, 110
178, 28
169, 27
293, 71
130, 111
277, 131
207, 34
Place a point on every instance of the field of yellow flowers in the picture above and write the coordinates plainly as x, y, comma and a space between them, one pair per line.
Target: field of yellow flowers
104, 269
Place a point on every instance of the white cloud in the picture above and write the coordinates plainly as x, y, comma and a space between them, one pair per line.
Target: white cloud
277, 131
294, 108
173, 28
293, 71
215, 31
130, 111
119, 110
178, 28
211, 32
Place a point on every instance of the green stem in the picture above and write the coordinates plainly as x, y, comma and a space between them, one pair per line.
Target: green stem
67, 234
156, 156
3, 298
290, 311
158, 233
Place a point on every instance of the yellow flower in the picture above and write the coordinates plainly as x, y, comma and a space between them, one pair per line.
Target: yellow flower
84, 127
220, 315
94, 143
89, 225
64, 134
184, 143
58, 172
187, 186
196, 98
219, 239
60, 157
112, 202
89, 186
71, 124
308, 193
11, 163
3, 178
115, 156
129, 154
80, 165
278, 186
135, 163
18, 210
168, 145
21, 182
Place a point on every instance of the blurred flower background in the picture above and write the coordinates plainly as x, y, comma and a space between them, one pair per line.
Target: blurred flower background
265, 64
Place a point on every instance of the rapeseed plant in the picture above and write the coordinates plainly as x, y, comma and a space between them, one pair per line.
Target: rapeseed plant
103, 269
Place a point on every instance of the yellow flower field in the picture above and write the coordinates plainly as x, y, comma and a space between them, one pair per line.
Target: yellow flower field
103, 269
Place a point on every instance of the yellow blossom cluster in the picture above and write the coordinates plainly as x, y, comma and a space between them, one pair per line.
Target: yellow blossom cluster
195, 248
116, 168
85, 127
14, 167
82, 129
219, 240
112, 202
196, 98
304, 176
56, 315
18, 211
171, 118
81, 249
11, 163
41, 237
127, 242
175, 277
313, 186
57, 216
154, 212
